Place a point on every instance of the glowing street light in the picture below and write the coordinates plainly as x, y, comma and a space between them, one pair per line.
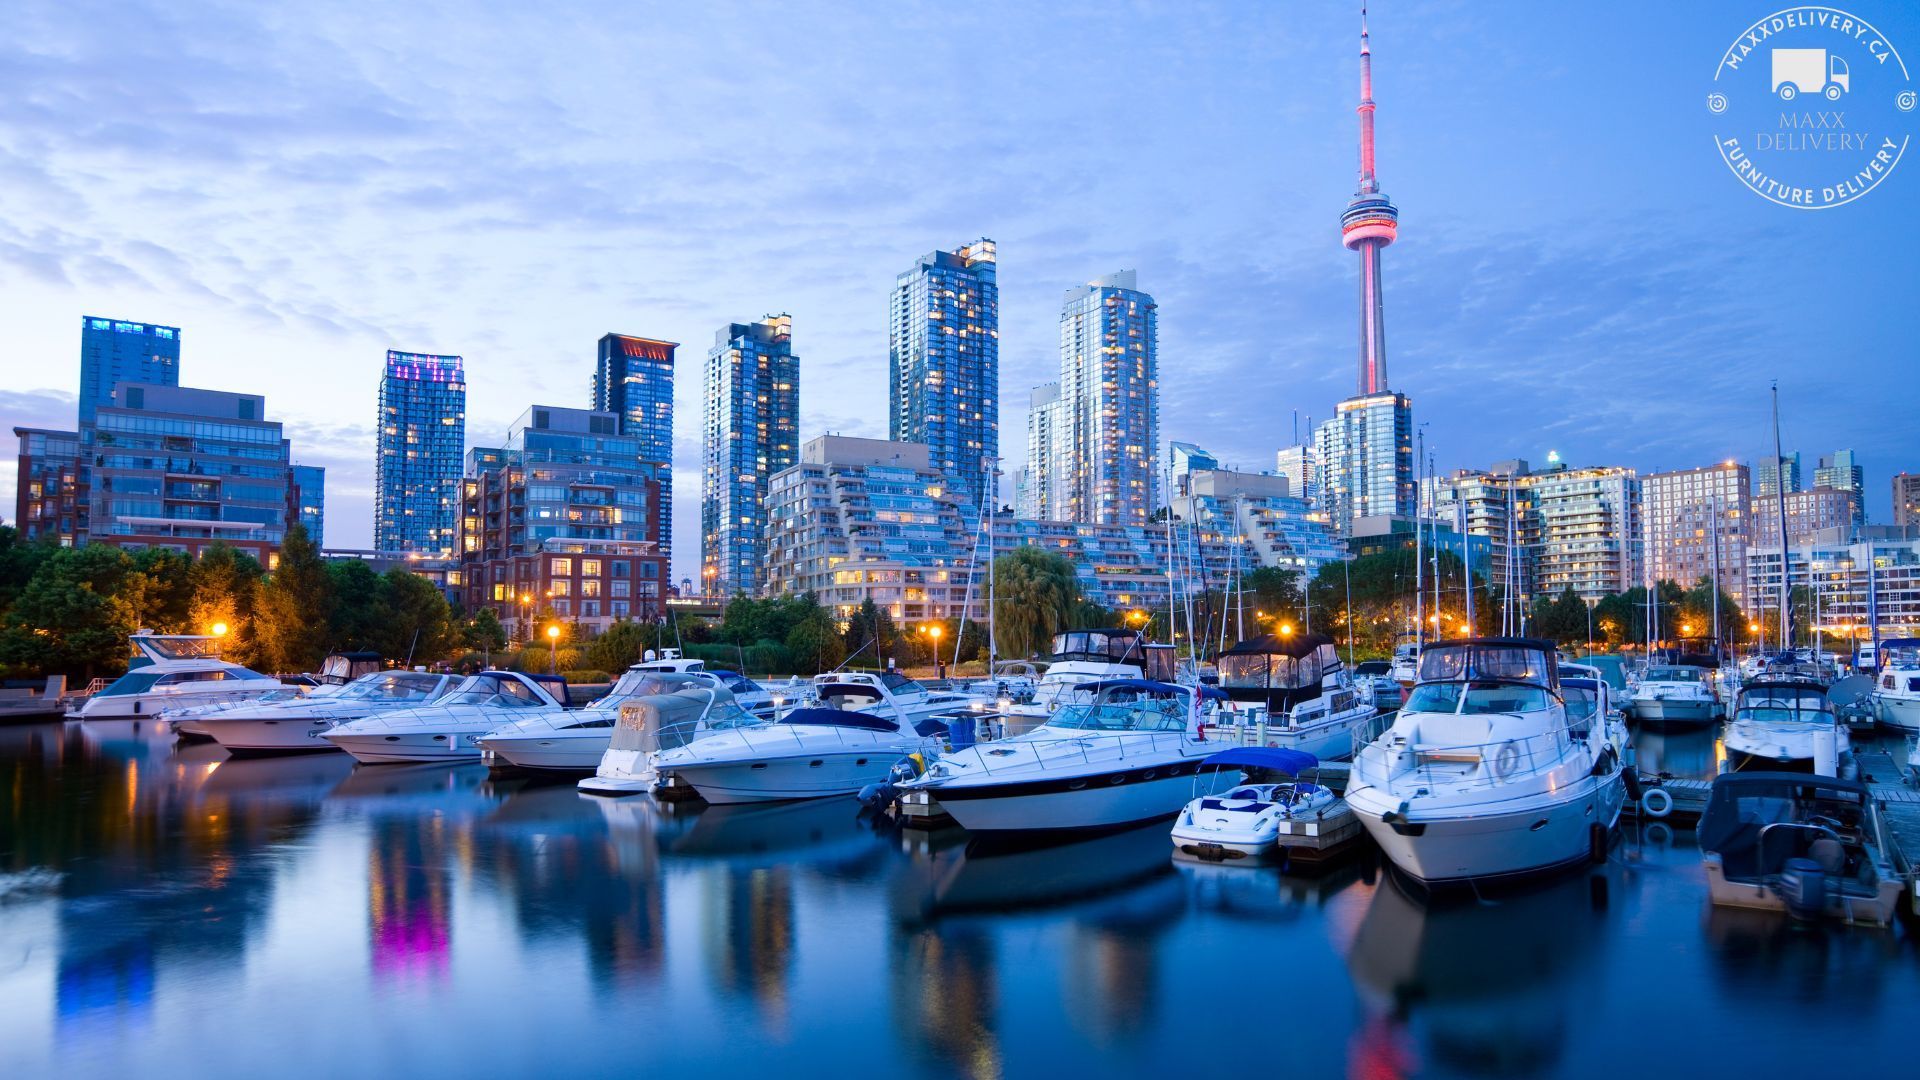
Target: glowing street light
219, 629
933, 632
553, 649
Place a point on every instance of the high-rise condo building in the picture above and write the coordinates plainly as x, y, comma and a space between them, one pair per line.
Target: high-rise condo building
751, 432
1366, 450
1184, 459
1549, 531
113, 351
943, 325
1301, 466
422, 434
1906, 500
307, 495
1040, 491
1688, 514
563, 518
1109, 412
633, 379
1767, 473
174, 467
1806, 513
1841, 471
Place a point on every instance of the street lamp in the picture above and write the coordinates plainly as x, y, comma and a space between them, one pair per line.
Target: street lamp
219, 629
553, 649
934, 633
525, 628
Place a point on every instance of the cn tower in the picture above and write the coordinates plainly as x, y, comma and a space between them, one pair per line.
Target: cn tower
1369, 224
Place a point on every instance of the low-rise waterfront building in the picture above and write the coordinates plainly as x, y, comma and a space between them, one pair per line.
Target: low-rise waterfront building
49, 499
1260, 511
1833, 571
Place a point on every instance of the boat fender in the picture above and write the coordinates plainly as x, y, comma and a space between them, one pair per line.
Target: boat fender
1632, 777
1200, 731
1505, 761
1656, 803
1597, 843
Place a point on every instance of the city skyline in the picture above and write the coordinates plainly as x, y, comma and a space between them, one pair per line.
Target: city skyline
1663, 264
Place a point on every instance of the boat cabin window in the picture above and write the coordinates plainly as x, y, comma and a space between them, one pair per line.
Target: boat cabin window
1265, 671
1477, 698
1098, 646
897, 683
1676, 674
1155, 713
1444, 663
494, 690
740, 684
1582, 702
392, 686
1783, 703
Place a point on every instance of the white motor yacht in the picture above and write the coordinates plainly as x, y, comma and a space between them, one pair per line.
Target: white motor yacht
1896, 692
1787, 726
805, 753
577, 739
1079, 659
1406, 664
1129, 755
1678, 695
1291, 691
291, 726
1251, 820
1374, 681
449, 729
650, 723
1484, 774
888, 694
175, 671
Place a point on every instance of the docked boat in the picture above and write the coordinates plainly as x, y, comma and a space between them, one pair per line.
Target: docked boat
887, 694
649, 723
1484, 774
295, 725
1812, 846
1077, 660
173, 672
449, 729
810, 752
1291, 691
1679, 695
575, 740
1406, 664
1127, 756
1787, 726
1374, 681
1896, 692
1297, 818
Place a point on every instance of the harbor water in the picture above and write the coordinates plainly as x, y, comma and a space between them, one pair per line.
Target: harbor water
167, 911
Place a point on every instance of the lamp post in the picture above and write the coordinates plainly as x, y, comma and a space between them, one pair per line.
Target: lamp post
525, 628
934, 633
553, 649
219, 629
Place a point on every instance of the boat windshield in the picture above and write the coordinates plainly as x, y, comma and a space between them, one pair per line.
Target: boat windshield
1262, 671
1449, 663
1373, 667
1784, 703
1676, 674
1476, 698
391, 686
897, 683
1098, 646
133, 682
1144, 714
1582, 701
497, 691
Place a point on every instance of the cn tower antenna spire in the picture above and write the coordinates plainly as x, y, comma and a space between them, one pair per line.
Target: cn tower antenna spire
1369, 224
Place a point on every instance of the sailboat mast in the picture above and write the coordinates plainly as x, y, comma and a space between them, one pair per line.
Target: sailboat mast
1419, 562
1780, 505
1713, 537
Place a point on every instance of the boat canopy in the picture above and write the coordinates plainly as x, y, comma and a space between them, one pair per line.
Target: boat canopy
1279, 759
1525, 660
1151, 686
1782, 700
1742, 804
848, 718
1281, 670
664, 721
1119, 646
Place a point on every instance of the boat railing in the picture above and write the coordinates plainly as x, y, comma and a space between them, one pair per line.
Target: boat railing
1393, 761
1079, 751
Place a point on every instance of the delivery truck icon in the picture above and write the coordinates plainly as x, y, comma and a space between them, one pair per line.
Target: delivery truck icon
1808, 71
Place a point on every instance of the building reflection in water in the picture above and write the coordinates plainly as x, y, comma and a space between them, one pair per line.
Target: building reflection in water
749, 938
409, 898
1482, 987
945, 991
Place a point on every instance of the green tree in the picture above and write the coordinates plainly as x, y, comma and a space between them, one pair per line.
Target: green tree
1561, 618
870, 635
19, 559
419, 625
166, 600
815, 641
484, 632
358, 617
1274, 590
621, 645
290, 625
71, 617
1696, 611
222, 584
1035, 592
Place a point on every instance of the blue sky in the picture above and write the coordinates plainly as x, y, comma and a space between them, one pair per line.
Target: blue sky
301, 188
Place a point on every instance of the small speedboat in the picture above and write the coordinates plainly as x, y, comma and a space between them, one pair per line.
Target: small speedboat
1787, 726
811, 752
576, 740
1677, 695
1812, 846
650, 723
1251, 820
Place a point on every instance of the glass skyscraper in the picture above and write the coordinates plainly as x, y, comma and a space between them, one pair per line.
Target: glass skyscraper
751, 431
943, 323
1109, 418
1366, 455
633, 379
423, 434
307, 492
114, 351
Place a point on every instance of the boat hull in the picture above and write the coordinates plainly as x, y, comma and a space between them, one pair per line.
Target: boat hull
1497, 840
260, 737
1101, 801
1688, 712
1898, 712
1876, 910
822, 775
422, 746
549, 754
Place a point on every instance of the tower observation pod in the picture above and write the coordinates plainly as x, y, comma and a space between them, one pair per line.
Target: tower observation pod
1370, 223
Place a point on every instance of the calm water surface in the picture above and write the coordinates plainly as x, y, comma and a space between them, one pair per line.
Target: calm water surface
167, 911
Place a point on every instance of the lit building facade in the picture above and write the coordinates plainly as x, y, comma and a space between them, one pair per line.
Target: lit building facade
1584, 532
633, 379
179, 468
1184, 459
1841, 471
1807, 512
1366, 455
943, 323
1258, 511
1121, 567
1690, 512
115, 351
1039, 492
568, 522
1767, 473
1834, 564
1301, 466
422, 435
751, 432
1108, 434
1906, 500
48, 498
307, 495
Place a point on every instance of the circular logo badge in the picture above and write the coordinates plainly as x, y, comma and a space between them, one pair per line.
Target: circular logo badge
1811, 107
